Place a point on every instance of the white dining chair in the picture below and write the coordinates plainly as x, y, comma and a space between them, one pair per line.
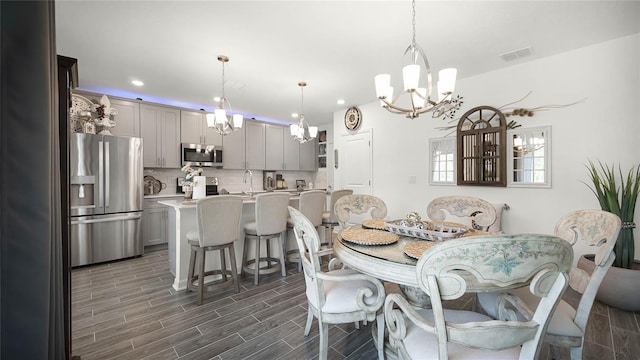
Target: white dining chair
448, 270
478, 213
311, 204
338, 295
595, 229
218, 222
359, 204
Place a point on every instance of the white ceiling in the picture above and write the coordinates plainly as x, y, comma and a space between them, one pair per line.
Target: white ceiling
337, 47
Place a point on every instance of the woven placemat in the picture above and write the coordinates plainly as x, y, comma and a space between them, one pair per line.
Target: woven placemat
477, 233
377, 224
417, 248
369, 237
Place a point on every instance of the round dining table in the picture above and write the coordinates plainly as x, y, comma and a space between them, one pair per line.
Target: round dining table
390, 263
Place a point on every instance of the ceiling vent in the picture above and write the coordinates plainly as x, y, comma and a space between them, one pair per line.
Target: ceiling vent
517, 54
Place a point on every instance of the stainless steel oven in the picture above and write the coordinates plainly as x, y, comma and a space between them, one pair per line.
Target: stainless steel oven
201, 155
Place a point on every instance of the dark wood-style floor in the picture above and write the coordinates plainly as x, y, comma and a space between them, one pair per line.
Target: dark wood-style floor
128, 310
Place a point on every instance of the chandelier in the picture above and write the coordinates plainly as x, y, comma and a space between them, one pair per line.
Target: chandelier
221, 120
420, 100
301, 131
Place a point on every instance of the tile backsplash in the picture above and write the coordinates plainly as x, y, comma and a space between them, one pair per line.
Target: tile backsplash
231, 180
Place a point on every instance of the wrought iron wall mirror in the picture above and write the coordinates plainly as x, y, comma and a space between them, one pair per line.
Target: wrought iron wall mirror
481, 150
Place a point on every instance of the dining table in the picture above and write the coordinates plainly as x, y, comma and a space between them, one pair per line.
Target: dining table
390, 261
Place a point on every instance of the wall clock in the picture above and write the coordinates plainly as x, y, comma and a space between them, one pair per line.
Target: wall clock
352, 118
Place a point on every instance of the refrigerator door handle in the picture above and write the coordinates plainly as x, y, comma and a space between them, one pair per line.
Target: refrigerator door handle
100, 175
109, 219
107, 175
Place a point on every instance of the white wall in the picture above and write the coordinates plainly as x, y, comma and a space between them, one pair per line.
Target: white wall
605, 127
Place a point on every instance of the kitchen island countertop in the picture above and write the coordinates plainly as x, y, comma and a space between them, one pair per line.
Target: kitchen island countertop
182, 219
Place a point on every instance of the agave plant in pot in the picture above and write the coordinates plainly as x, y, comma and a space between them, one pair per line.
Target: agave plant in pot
618, 194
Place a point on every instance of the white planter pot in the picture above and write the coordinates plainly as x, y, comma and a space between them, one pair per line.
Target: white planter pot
620, 288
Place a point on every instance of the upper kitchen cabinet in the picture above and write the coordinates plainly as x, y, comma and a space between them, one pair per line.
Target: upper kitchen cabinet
160, 129
244, 148
308, 155
194, 129
128, 117
282, 152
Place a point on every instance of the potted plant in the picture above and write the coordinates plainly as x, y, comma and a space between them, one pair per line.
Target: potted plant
618, 195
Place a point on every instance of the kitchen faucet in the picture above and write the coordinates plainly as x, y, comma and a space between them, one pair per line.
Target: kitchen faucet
244, 180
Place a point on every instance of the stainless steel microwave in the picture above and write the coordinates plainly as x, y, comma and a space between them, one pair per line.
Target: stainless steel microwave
201, 155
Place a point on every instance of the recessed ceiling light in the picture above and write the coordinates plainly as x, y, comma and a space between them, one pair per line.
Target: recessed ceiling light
216, 99
294, 115
340, 101
137, 82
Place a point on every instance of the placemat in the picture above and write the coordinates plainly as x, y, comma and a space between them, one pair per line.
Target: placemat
377, 224
417, 248
369, 237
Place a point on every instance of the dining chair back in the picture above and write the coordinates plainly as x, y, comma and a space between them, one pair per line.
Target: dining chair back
597, 230
311, 204
270, 224
360, 204
448, 270
338, 295
478, 213
218, 222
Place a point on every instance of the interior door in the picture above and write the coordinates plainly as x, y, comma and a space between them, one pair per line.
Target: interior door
355, 161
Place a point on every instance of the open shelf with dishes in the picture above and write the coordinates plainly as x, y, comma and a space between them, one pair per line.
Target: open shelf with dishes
322, 149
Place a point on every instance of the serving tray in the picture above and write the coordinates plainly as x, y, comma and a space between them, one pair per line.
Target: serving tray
427, 230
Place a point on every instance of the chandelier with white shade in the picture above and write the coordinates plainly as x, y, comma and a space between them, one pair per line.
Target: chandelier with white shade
414, 74
301, 131
222, 120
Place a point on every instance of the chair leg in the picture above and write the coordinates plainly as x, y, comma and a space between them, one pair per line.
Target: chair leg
576, 352
201, 252
234, 267
307, 327
223, 265
245, 250
256, 272
380, 335
283, 253
324, 340
192, 268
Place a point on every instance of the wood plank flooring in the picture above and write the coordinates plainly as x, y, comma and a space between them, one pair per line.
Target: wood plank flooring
128, 310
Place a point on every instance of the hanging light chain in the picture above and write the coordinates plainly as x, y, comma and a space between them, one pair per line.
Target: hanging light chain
413, 22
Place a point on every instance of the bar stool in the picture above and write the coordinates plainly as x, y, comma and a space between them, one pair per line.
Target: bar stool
218, 220
329, 219
311, 205
271, 223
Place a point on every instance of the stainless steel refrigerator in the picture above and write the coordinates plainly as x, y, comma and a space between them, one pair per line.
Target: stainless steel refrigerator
106, 194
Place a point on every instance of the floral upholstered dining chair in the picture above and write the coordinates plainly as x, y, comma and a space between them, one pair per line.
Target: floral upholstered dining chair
360, 204
472, 211
336, 296
448, 270
598, 231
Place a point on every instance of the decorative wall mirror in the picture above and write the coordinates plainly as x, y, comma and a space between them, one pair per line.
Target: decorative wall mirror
530, 157
481, 150
442, 163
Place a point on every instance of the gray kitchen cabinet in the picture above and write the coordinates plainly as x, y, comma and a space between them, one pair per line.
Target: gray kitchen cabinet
160, 130
254, 146
282, 152
291, 151
155, 221
308, 158
245, 148
194, 129
128, 117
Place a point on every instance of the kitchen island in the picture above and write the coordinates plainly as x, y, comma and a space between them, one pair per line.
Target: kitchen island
182, 219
